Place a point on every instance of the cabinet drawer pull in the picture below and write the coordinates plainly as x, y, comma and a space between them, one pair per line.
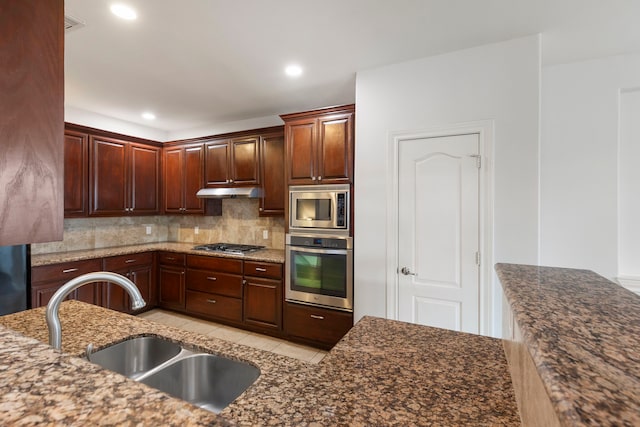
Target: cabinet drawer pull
211, 301
315, 316
212, 278
261, 269
170, 258
69, 270
129, 261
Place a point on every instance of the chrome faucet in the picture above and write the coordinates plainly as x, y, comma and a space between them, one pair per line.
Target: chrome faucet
53, 321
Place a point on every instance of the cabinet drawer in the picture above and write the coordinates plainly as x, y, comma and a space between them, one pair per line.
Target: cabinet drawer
225, 265
214, 282
125, 261
316, 324
65, 271
214, 305
263, 269
171, 258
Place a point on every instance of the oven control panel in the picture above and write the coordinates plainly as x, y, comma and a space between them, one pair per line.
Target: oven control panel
320, 242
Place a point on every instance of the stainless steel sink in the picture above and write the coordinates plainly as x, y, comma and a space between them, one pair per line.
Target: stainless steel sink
136, 356
208, 381
205, 380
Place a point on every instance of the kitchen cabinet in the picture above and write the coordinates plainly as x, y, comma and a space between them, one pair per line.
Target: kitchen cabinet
214, 288
32, 120
171, 280
47, 279
140, 269
273, 195
124, 177
183, 176
316, 326
319, 146
76, 174
262, 298
232, 162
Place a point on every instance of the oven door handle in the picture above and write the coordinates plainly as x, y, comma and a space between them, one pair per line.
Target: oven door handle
314, 250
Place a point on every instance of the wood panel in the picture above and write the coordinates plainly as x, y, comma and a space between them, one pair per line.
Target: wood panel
171, 287
173, 179
335, 159
300, 151
214, 282
145, 179
216, 306
273, 196
76, 174
193, 178
108, 190
263, 303
31, 121
245, 162
315, 325
217, 164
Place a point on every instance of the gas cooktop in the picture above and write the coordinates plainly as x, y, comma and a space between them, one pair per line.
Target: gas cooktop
229, 248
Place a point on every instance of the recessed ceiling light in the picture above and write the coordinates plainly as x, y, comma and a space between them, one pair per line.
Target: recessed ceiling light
293, 70
123, 11
148, 116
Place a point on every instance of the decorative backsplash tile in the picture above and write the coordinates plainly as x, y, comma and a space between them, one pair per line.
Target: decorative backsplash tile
239, 223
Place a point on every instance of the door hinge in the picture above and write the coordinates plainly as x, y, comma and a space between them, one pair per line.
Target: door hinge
478, 160
478, 258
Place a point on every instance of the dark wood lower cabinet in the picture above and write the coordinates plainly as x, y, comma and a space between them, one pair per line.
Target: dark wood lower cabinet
47, 279
214, 306
316, 326
263, 303
140, 269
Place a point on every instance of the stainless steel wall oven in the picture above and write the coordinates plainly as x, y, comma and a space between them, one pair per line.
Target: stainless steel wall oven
319, 271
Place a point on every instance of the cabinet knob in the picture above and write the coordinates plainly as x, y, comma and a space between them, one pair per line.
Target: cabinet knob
261, 209
313, 178
319, 178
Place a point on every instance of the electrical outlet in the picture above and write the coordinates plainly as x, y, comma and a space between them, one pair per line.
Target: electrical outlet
265, 234
196, 230
147, 229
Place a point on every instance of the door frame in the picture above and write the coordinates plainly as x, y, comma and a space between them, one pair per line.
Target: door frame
485, 131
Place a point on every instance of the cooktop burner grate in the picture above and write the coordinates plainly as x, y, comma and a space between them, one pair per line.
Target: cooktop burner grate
232, 248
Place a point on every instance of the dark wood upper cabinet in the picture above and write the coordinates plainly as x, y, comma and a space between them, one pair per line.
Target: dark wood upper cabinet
272, 175
76, 174
31, 121
124, 178
183, 176
217, 163
232, 162
319, 146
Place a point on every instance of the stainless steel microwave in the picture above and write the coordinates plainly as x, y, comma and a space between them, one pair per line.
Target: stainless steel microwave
319, 209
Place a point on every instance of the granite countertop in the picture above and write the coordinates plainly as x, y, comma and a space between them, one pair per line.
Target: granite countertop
583, 334
265, 255
383, 372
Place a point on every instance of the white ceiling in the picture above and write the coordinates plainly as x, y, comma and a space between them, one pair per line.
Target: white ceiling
200, 62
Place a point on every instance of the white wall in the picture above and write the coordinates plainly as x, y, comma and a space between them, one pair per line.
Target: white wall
498, 82
579, 161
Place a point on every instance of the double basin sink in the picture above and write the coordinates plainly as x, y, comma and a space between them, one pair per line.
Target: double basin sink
209, 381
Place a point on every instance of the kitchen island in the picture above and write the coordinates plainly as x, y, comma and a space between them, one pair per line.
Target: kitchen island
383, 372
574, 346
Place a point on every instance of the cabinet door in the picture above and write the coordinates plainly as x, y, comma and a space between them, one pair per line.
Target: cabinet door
76, 173
144, 279
245, 165
108, 177
173, 179
193, 178
217, 164
171, 287
315, 325
335, 149
263, 303
114, 297
272, 175
300, 151
145, 179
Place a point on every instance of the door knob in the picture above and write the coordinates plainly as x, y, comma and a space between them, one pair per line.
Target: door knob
406, 272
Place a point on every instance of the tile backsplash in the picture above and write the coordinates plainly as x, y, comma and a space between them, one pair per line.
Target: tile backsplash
239, 223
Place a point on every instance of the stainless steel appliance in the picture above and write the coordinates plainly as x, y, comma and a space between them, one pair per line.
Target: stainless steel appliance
319, 271
15, 267
322, 209
230, 248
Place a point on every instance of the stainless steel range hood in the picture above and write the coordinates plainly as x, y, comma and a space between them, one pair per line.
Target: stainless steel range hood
229, 193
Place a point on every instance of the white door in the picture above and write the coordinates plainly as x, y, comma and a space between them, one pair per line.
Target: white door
438, 232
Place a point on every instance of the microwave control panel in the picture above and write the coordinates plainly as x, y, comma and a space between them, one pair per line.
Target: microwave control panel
341, 217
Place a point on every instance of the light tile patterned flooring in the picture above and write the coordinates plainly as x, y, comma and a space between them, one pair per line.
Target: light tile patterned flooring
239, 336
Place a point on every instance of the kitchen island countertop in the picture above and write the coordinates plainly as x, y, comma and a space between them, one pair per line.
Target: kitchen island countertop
383, 372
264, 255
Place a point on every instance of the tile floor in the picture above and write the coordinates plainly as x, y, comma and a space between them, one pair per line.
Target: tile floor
250, 339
